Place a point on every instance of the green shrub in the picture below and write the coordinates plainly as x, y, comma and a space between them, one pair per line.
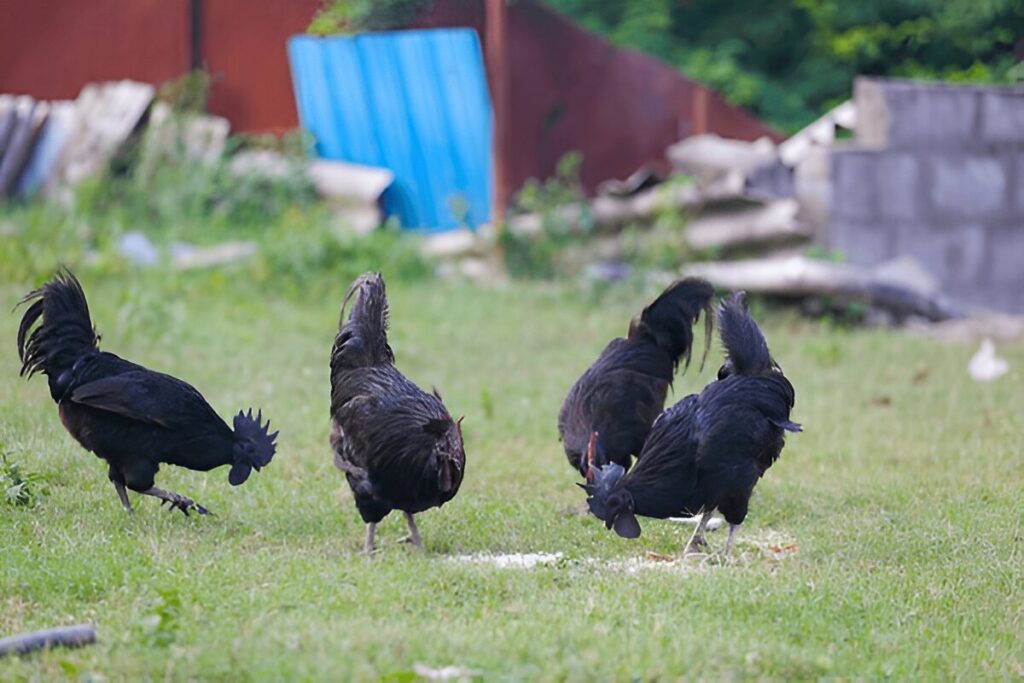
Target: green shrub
18, 486
536, 255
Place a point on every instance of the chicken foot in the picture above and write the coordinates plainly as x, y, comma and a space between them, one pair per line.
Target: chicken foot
176, 500
697, 540
414, 533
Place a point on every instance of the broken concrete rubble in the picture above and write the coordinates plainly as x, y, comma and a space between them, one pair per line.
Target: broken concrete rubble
194, 138
799, 277
60, 143
754, 225
188, 257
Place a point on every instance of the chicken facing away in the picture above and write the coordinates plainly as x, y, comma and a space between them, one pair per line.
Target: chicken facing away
618, 397
707, 451
397, 445
132, 417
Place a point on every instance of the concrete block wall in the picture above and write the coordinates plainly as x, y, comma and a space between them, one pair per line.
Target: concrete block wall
936, 172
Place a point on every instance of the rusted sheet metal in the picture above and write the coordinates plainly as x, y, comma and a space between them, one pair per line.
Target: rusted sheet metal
51, 49
244, 46
572, 90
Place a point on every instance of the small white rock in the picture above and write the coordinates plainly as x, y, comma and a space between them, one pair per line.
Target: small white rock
985, 365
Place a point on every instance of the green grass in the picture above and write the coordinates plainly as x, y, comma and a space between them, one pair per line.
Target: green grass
902, 499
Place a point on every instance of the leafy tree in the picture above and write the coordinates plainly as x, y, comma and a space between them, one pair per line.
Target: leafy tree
786, 60
789, 60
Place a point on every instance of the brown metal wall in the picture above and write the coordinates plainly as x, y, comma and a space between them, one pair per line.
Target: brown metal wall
244, 48
51, 48
569, 90
572, 90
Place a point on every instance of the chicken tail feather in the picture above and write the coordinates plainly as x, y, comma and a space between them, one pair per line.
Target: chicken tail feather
362, 339
668, 321
65, 331
745, 345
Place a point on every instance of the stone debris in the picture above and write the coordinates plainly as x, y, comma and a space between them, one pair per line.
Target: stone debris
802, 277
187, 256
510, 560
985, 365
445, 673
138, 249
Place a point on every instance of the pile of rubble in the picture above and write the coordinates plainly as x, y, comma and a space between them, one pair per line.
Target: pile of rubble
50, 146
755, 211
47, 148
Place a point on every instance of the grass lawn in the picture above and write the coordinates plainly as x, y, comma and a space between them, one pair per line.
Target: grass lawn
888, 541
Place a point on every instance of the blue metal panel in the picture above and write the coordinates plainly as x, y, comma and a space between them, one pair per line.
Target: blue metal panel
415, 102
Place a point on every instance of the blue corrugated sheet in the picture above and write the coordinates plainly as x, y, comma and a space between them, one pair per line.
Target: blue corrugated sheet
415, 102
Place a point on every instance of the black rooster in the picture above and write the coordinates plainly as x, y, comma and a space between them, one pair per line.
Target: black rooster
708, 450
611, 406
397, 445
130, 416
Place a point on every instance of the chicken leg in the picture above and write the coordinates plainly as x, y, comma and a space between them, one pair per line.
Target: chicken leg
370, 544
698, 536
122, 493
176, 500
414, 533
733, 528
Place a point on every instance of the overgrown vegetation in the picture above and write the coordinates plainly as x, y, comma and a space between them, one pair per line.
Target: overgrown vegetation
167, 182
789, 61
159, 187
537, 254
18, 486
566, 241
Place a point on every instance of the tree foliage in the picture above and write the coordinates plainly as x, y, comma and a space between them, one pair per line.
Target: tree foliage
354, 16
789, 60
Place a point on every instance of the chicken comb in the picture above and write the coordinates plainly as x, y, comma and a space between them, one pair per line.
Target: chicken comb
248, 426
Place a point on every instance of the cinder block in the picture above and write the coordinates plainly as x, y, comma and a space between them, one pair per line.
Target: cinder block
1008, 255
1002, 115
1018, 199
921, 113
954, 254
968, 186
863, 244
897, 186
853, 195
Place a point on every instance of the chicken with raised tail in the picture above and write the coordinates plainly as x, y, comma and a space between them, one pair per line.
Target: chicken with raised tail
708, 451
610, 408
132, 417
397, 445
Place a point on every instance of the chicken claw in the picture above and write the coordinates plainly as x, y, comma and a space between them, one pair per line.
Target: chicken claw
176, 501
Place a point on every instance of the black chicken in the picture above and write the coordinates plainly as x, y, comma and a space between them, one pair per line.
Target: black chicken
397, 445
130, 416
708, 450
611, 406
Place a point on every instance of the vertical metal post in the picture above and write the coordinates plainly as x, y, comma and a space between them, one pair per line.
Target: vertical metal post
496, 56
195, 53
700, 110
